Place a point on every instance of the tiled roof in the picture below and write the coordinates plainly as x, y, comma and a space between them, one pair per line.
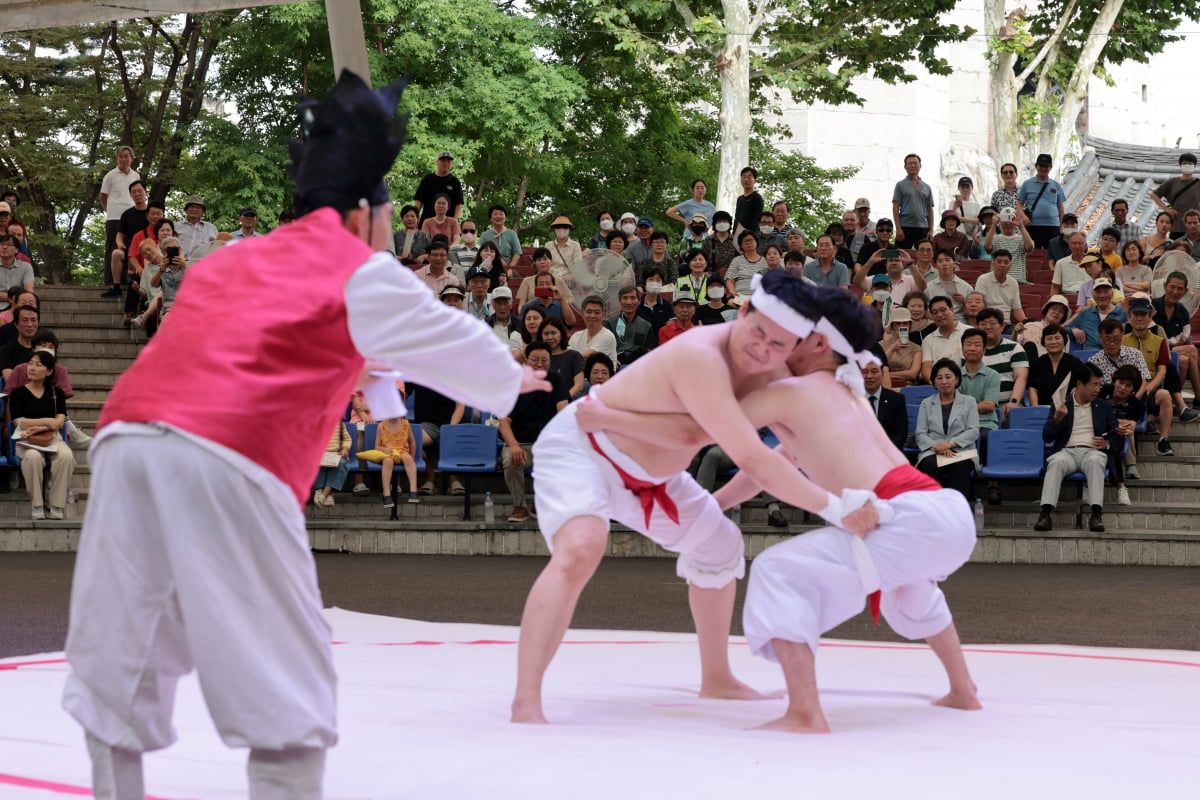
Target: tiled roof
1111, 170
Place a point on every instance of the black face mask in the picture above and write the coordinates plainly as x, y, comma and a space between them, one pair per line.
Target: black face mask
698, 229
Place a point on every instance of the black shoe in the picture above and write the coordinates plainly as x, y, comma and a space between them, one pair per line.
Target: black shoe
1044, 523
1164, 447
993, 495
112, 293
1096, 522
775, 519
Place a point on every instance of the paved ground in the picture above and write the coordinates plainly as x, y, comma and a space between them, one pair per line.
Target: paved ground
1156, 607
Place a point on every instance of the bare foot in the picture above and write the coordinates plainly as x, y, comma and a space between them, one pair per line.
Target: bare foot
797, 724
732, 689
959, 700
528, 713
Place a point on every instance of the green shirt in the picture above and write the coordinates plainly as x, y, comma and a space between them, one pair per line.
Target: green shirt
983, 386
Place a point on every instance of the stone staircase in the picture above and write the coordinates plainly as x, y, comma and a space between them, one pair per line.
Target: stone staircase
1161, 527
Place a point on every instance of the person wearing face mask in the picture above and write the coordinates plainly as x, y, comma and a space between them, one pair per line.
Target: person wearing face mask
604, 220
1058, 247
695, 205
767, 234
695, 236
628, 225
567, 252
716, 310
654, 308
1177, 195
463, 252
720, 248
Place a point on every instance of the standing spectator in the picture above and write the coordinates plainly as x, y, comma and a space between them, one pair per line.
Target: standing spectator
12, 271
638, 250
947, 424
247, 222
504, 237
951, 238
594, 337
332, 477
968, 208
888, 406
654, 308
133, 219
635, 336
567, 252
912, 204
195, 233
684, 306
411, 243
39, 409
1177, 195
440, 181
742, 269
1006, 195
524, 424
1130, 231
1008, 233
605, 222
440, 223
434, 274
720, 249
749, 205
1000, 292
944, 341
1069, 272
686, 211
1080, 433
1040, 199
462, 253
1052, 373
115, 199
564, 362
659, 258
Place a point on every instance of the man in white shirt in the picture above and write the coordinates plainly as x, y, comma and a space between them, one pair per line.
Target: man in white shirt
195, 233
1069, 273
595, 338
946, 340
1000, 291
114, 196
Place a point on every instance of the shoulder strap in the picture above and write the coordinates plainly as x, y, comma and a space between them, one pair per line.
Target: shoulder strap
1038, 199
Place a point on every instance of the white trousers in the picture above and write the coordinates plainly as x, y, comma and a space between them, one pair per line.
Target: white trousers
1088, 460
801, 588
207, 567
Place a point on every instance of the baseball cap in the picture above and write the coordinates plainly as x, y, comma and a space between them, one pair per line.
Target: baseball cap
502, 293
1101, 283
248, 211
1044, 160
881, 278
446, 154
1141, 304
649, 223
5, 207
1008, 214
684, 297
862, 202
194, 200
450, 291
478, 272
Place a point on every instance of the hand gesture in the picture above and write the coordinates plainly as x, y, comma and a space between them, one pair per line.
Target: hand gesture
534, 380
1060, 413
862, 520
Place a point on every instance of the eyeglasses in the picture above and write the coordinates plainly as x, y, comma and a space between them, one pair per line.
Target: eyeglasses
1008, 172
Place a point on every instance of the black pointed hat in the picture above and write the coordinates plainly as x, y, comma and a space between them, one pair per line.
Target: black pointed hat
350, 140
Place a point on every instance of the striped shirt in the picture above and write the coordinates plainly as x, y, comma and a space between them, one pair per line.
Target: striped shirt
1004, 358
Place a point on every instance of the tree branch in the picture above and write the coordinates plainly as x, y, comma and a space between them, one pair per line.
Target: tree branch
1052, 45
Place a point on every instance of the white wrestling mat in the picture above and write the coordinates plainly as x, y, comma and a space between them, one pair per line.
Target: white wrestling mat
423, 714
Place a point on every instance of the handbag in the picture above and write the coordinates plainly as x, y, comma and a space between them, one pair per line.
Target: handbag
43, 439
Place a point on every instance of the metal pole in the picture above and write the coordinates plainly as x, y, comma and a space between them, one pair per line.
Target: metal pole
347, 38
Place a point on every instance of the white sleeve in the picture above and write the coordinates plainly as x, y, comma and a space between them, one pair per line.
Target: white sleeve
607, 344
396, 319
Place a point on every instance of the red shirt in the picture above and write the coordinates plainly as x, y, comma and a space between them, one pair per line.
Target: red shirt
672, 329
134, 253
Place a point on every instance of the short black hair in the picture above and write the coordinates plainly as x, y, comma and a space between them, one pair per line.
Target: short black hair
1054, 329
594, 299
1177, 275
438, 244
598, 358
405, 209
971, 333
742, 237
947, 363
1110, 324
1119, 201
858, 322
660, 234
628, 289
651, 271
538, 344
44, 336
608, 240
990, 313
1000, 251
722, 215
497, 207
1086, 371
541, 252
1127, 372
754, 172
1111, 233
941, 298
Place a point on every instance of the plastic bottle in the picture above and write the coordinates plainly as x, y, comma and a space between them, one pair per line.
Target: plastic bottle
735, 514
489, 508
978, 515
70, 510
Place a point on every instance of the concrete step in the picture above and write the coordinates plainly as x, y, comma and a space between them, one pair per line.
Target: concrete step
100, 318
116, 352
76, 332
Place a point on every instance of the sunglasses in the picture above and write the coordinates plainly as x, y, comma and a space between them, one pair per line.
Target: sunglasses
1008, 172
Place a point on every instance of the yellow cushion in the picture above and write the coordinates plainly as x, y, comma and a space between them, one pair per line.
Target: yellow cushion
374, 456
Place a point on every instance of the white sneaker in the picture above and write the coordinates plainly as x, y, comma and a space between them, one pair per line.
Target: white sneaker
76, 438
39, 512
54, 513
1123, 497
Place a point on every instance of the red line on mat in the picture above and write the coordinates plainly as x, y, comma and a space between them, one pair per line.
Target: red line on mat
51, 786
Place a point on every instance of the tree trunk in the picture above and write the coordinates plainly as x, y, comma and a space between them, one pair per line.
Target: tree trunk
733, 69
1006, 138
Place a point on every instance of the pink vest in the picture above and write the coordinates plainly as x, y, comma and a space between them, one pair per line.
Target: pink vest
255, 354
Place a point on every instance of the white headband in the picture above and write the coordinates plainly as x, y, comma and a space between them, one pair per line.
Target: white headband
778, 311
850, 373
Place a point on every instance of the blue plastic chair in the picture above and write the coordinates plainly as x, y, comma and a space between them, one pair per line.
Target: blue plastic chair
915, 394
1029, 417
1084, 355
1014, 453
914, 410
467, 449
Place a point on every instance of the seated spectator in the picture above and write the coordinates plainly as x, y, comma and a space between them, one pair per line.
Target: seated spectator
529, 325
11, 294
660, 258
717, 310
478, 304
550, 299
1058, 248
39, 410
1133, 275
542, 263
973, 303
1154, 350
170, 277
903, 355
871, 257
331, 477
720, 248
1069, 272
440, 224
837, 232
1029, 334
880, 295
1000, 291
1113, 354
944, 340
1156, 244
1129, 411
947, 424
655, 308
684, 305
20, 297
13, 271
412, 243
1174, 319
564, 362
17, 229
713, 461
19, 350
889, 406
947, 283
504, 237
1095, 268
462, 253
917, 304
1109, 239
567, 254
594, 337
696, 279
395, 438
46, 341
768, 235
825, 269
452, 296
617, 242
502, 321
1051, 375
923, 259
1080, 433
906, 276
742, 269
435, 273
951, 239
987, 217
635, 335
980, 381
432, 410
1008, 359
1085, 326
487, 258
598, 368
524, 424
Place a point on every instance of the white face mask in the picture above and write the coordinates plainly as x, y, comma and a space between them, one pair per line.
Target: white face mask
469, 238
722, 227
880, 297
606, 225
716, 292
653, 287
562, 233
628, 229
765, 230
1187, 169
1067, 231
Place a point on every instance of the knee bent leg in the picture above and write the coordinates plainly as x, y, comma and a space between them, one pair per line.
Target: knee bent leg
716, 560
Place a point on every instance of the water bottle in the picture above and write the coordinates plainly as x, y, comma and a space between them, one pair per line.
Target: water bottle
735, 514
70, 510
978, 515
489, 508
